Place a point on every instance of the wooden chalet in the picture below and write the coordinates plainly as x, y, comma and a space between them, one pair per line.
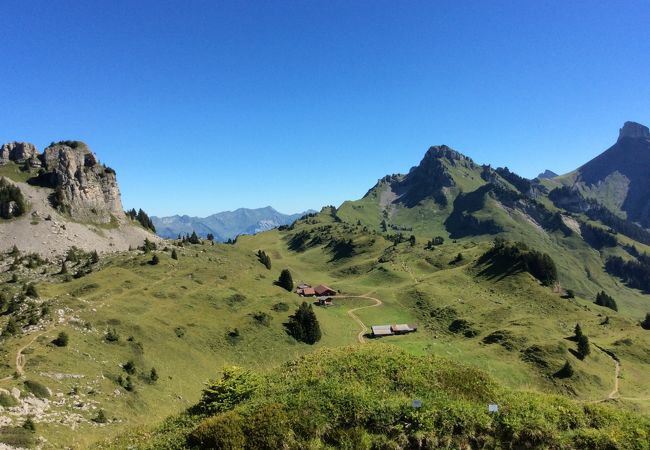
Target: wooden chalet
391, 330
324, 291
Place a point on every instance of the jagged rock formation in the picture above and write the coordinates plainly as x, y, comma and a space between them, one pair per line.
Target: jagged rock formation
85, 189
80, 206
19, 152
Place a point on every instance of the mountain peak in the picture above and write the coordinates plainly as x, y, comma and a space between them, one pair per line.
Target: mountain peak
634, 130
547, 174
443, 151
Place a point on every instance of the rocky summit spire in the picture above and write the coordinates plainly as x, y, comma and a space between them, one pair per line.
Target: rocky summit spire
634, 130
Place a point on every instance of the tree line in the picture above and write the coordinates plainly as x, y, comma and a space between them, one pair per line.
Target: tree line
508, 256
142, 218
636, 274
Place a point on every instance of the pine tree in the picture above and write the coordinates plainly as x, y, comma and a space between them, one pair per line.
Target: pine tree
412, 240
602, 299
303, 325
153, 375
61, 340
285, 280
174, 254
11, 328
194, 238
155, 260
583, 346
94, 257
646, 323
210, 237
264, 258
565, 372
577, 331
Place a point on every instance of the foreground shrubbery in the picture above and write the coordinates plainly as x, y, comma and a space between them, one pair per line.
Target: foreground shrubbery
361, 398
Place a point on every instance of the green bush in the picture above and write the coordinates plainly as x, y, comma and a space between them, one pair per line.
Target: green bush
235, 386
12, 194
224, 431
267, 428
61, 340
129, 367
112, 335
7, 400
31, 291
38, 389
361, 397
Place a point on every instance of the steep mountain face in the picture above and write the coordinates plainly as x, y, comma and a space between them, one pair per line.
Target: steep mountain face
224, 225
431, 178
618, 178
60, 198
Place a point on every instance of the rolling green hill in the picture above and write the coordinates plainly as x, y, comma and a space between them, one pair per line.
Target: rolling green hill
494, 270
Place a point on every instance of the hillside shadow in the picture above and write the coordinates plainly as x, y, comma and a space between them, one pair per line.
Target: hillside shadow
495, 270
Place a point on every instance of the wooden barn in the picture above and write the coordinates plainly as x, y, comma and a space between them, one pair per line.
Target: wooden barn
324, 291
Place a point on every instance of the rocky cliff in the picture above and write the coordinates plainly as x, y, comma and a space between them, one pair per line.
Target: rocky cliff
60, 198
84, 188
19, 152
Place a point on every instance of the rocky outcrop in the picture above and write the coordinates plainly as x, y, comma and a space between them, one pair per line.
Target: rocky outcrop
84, 188
634, 130
18, 152
430, 178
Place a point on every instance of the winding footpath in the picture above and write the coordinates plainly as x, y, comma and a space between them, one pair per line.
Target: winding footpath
351, 313
617, 377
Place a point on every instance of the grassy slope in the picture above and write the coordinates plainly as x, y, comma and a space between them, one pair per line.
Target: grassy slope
356, 397
196, 297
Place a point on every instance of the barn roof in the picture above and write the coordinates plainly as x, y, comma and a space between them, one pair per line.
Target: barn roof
322, 289
381, 330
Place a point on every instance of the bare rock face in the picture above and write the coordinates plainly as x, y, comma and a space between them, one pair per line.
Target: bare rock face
19, 152
85, 189
634, 130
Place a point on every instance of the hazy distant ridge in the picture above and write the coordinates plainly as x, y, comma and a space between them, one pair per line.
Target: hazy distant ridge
224, 225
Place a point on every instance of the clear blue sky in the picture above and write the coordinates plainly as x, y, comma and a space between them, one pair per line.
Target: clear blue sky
203, 106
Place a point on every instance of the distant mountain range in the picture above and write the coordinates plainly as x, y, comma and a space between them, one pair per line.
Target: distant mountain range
225, 225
